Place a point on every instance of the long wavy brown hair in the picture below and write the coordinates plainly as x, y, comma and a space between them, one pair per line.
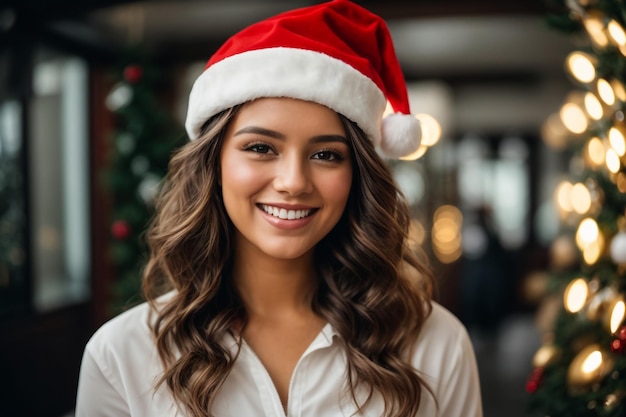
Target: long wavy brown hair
372, 288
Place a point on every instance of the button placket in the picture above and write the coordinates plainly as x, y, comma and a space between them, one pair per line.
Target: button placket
270, 400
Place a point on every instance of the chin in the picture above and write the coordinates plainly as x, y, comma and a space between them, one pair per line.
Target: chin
286, 252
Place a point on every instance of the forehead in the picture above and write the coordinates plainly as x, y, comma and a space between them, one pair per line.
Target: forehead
290, 115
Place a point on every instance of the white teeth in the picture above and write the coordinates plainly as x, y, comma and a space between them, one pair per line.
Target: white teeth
284, 213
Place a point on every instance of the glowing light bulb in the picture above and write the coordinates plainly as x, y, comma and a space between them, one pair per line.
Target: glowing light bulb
616, 32
592, 252
594, 26
595, 151
563, 196
581, 198
605, 91
575, 295
612, 161
573, 118
617, 315
593, 106
581, 66
446, 233
618, 89
616, 139
592, 362
587, 233
588, 366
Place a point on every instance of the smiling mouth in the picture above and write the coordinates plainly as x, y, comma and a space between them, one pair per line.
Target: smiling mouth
285, 214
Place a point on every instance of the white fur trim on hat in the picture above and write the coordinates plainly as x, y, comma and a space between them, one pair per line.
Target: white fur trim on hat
286, 72
401, 135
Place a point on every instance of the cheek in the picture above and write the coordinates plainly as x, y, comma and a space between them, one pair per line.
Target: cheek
238, 177
338, 187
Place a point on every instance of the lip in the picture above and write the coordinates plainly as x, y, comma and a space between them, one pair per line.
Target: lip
287, 206
286, 224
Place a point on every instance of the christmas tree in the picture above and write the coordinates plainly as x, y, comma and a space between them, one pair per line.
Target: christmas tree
581, 368
145, 136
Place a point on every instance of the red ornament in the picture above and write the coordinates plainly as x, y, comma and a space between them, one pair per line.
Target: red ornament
534, 380
531, 386
120, 229
618, 346
133, 74
621, 333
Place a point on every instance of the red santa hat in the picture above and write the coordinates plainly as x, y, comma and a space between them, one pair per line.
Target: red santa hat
337, 54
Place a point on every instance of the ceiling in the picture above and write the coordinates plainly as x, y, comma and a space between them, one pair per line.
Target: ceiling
432, 35
490, 51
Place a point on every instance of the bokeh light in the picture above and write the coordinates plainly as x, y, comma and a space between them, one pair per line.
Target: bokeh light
575, 295
605, 91
582, 66
573, 118
446, 233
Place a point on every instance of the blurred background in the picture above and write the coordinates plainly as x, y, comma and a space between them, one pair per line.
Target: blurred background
92, 100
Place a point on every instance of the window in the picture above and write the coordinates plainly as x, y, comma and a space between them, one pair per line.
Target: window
59, 174
44, 175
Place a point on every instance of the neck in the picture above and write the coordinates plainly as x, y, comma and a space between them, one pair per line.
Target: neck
273, 288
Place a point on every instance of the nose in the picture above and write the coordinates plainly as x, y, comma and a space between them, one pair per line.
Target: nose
293, 176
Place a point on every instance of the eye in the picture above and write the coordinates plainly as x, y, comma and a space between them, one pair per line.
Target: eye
258, 148
328, 155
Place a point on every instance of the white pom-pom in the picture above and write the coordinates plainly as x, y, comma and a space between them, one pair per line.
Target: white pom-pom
401, 135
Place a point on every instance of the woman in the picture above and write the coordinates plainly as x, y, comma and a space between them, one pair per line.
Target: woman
280, 282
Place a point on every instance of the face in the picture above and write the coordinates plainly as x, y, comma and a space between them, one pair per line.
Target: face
286, 174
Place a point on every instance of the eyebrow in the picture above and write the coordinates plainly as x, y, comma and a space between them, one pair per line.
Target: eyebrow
277, 135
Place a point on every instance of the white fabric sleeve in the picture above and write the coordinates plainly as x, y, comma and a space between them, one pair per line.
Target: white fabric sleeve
460, 393
97, 395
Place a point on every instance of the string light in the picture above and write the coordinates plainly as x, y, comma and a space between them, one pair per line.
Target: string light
617, 312
446, 233
618, 89
546, 355
616, 139
593, 106
595, 151
587, 233
594, 25
563, 196
592, 362
580, 198
612, 161
575, 295
592, 252
616, 32
581, 66
589, 366
605, 91
573, 118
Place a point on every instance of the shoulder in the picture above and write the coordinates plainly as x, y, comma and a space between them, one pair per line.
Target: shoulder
122, 341
121, 367
442, 326
444, 358
125, 339
442, 339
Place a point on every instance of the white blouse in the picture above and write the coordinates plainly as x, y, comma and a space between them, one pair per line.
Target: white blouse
120, 366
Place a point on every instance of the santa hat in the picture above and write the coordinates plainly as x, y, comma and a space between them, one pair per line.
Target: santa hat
337, 54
